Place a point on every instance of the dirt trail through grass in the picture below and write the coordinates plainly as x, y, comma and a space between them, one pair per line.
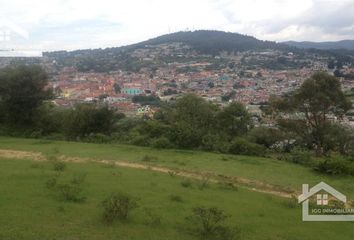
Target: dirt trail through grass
205, 177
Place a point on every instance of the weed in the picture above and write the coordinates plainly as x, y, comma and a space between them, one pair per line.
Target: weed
148, 158
186, 183
152, 219
117, 206
176, 198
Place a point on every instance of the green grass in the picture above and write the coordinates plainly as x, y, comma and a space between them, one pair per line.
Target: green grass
268, 170
29, 210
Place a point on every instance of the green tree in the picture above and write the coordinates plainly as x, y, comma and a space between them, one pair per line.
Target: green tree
234, 120
309, 108
191, 118
22, 91
117, 88
85, 119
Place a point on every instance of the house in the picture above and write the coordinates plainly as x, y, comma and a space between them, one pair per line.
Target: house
132, 89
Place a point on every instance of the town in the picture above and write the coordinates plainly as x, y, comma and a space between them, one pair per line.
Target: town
250, 78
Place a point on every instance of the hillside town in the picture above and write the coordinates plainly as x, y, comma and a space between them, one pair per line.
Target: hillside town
241, 77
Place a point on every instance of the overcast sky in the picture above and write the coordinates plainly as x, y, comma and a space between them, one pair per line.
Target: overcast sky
78, 24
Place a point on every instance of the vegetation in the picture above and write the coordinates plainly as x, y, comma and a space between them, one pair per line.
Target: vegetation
22, 91
209, 223
304, 121
214, 42
117, 207
147, 100
310, 107
256, 215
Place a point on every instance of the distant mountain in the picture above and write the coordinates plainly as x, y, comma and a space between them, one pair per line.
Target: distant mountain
201, 42
213, 42
344, 44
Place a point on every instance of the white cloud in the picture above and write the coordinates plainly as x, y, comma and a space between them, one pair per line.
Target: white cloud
70, 24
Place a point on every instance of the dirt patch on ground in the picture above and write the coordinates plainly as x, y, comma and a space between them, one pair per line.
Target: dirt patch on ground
21, 155
250, 184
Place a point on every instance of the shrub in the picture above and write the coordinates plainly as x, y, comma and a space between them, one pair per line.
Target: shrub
98, 138
301, 157
85, 119
140, 140
212, 142
243, 147
210, 223
172, 173
298, 156
51, 183
266, 136
335, 167
152, 218
204, 181
36, 165
148, 158
176, 198
228, 186
78, 179
161, 143
186, 183
70, 192
59, 166
117, 206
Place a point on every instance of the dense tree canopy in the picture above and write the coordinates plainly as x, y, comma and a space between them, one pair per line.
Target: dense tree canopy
22, 91
309, 109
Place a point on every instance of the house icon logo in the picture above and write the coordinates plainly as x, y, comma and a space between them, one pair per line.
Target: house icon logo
322, 194
8, 28
14, 41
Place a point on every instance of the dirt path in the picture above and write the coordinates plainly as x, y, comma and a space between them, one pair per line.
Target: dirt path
205, 177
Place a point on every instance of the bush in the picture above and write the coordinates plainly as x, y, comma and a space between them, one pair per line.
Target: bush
266, 136
117, 206
161, 143
186, 183
71, 192
204, 181
152, 218
301, 157
59, 166
210, 223
51, 183
68, 191
176, 198
243, 147
86, 119
335, 167
98, 138
212, 142
298, 156
148, 158
139, 140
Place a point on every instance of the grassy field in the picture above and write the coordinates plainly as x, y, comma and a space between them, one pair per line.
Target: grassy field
29, 210
267, 170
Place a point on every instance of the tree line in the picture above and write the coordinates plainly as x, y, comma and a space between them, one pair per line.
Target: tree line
306, 119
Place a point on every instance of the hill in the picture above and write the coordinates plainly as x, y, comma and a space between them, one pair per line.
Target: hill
344, 44
193, 44
213, 42
198, 43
